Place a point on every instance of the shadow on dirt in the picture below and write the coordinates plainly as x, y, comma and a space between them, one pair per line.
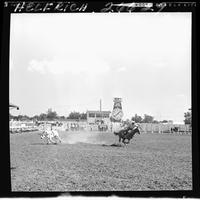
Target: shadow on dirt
43, 144
112, 145
12, 168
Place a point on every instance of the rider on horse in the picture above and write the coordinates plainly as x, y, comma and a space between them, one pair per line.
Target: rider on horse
128, 132
130, 127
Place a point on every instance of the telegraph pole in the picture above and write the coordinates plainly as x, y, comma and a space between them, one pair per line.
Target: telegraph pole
100, 105
101, 110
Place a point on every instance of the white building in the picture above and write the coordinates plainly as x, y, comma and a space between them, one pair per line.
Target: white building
96, 116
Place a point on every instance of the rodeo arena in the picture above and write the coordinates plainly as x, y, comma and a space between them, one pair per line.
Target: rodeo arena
100, 153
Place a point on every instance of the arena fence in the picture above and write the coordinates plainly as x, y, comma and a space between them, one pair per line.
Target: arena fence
165, 128
22, 126
26, 126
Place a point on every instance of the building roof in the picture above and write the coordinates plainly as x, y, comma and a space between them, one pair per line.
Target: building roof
98, 111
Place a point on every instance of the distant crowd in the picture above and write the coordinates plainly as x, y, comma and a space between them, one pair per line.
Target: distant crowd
28, 126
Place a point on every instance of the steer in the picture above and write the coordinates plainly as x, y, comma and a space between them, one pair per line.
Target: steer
51, 135
56, 135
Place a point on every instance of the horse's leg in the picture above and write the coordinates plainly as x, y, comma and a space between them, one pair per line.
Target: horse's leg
60, 139
124, 141
119, 139
48, 141
51, 139
55, 140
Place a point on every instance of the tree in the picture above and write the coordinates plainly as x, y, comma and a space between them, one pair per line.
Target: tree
25, 117
42, 116
36, 117
62, 117
137, 118
83, 116
188, 117
148, 119
155, 121
164, 121
74, 115
11, 116
51, 114
19, 117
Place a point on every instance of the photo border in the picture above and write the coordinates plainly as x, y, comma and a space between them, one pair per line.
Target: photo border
9, 7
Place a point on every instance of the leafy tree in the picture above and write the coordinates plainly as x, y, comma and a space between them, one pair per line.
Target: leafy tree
62, 117
21, 117
137, 118
148, 119
11, 116
155, 121
164, 121
25, 117
51, 114
83, 116
42, 116
188, 117
36, 117
74, 115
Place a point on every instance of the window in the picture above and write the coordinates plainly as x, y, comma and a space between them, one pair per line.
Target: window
98, 115
91, 114
106, 115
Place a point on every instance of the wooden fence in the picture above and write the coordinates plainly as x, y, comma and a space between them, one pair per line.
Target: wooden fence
165, 128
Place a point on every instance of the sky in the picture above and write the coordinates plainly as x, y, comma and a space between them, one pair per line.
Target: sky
69, 61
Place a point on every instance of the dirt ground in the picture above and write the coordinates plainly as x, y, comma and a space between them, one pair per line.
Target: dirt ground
86, 162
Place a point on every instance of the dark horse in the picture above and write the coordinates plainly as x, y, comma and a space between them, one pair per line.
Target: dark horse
174, 129
126, 135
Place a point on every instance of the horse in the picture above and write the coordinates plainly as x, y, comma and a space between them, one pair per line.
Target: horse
174, 129
127, 135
